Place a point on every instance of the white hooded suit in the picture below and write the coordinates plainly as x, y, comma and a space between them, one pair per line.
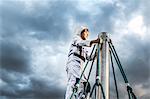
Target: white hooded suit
76, 58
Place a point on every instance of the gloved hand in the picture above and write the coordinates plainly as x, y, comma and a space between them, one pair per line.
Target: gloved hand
75, 88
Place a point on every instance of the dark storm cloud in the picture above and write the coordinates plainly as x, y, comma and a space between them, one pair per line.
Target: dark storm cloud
12, 18
47, 22
103, 20
14, 84
145, 97
50, 22
43, 88
145, 11
33, 87
137, 67
106, 19
14, 57
137, 6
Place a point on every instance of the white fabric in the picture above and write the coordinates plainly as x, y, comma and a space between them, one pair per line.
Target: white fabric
71, 82
73, 67
78, 41
78, 31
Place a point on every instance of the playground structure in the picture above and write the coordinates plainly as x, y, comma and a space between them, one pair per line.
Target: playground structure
104, 53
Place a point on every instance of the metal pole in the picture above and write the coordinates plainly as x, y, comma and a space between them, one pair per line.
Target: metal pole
105, 59
98, 89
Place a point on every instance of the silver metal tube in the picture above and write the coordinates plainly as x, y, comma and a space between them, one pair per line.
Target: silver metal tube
104, 70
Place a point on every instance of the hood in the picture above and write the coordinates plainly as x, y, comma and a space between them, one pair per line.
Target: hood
79, 29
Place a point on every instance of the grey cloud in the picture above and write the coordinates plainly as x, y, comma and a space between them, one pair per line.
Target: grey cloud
140, 60
106, 19
131, 6
146, 84
49, 23
138, 7
13, 84
145, 12
136, 66
23, 86
103, 21
14, 57
145, 97
46, 89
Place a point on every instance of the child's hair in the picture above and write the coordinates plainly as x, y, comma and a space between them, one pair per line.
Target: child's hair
84, 30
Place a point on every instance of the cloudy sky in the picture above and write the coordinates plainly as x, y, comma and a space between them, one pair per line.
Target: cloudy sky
35, 37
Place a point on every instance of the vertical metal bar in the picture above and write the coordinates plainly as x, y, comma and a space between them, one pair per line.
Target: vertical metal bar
105, 58
98, 95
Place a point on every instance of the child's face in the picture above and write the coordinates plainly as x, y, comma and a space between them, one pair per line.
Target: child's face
85, 34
